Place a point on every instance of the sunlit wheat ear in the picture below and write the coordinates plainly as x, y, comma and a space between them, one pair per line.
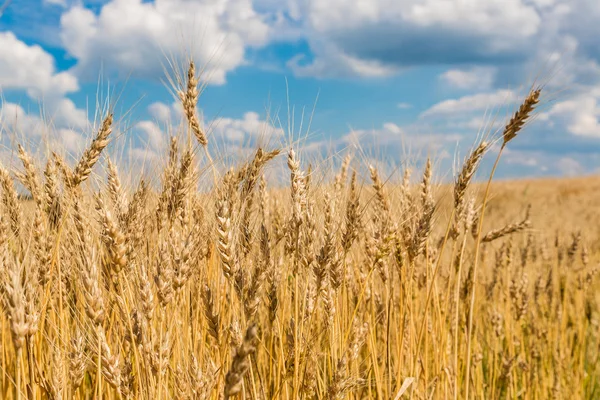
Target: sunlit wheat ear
58, 377
92, 154
263, 205
462, 183
94, 298
181, 184
115, 189
43, 241
189, 101
225, 243
113, 238
13, 293
382, 225
77, 360
340, 178
146, 293
127, 377
273, 278
521, 116
241, 363
252, 173
111, 368
53, 206
250, 177
211, 314
169, 177
11, 202
30, 178
467, 171
253, 294
298, 187
352, 219
426, 195
508, 229
422, 227
381, 196
65, 170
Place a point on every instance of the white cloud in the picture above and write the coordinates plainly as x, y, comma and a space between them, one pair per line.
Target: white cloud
61, 3
404, 105
240, 133
392, 137
31, 68
570, 167
64, 113
250, 127
375, 38
476, 102
335, 64
580, 114
70, 140
539, 162
562, 138
473, 78
155, 136
162, 112
134, 36
521, 159
31, 128
143, 156
505, 19
392, 128
59, 114
15, 119
380, 37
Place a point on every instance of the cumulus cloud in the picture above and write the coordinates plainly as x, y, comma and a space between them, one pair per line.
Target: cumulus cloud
15, 119
536, 152
165, 113
346, 38
484, 44
61, 3
333, 63
247, 131
249, 128
537, 162
579, 115
471, 103
390, 142
69, 140
142, 156
559, 133
570, 167
386, 36
135, 36
58, 114
153, 133
31, 68
64, 113
473, 78
36, 129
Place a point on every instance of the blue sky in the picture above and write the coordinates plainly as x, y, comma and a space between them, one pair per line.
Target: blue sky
399, 77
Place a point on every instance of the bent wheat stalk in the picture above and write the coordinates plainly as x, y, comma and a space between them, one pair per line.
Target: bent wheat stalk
510, 132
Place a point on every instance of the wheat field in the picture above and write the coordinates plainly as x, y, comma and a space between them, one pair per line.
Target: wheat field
341, 283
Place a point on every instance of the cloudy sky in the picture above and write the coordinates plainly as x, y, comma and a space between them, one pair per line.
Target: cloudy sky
402, 78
